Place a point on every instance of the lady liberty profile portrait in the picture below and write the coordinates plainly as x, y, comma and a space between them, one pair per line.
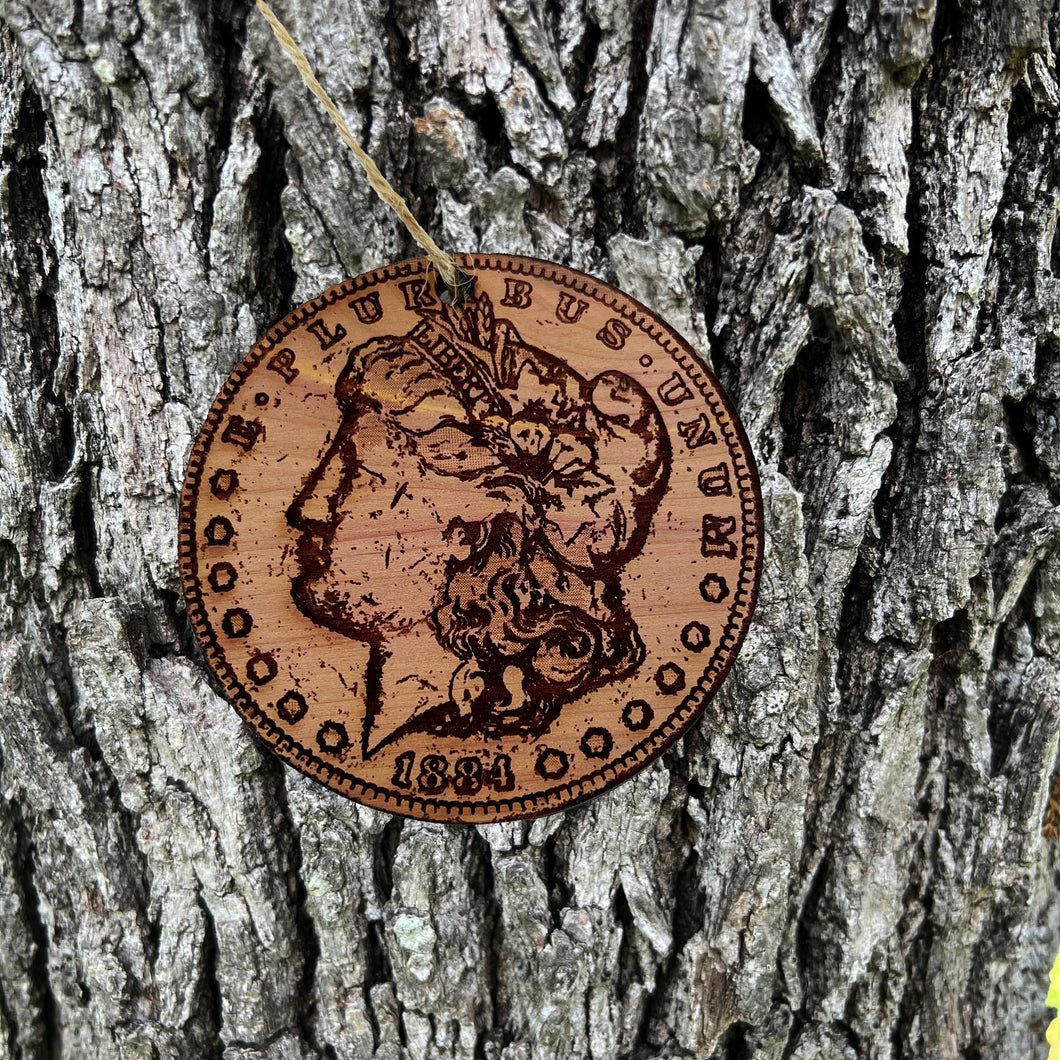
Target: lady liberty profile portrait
469, 522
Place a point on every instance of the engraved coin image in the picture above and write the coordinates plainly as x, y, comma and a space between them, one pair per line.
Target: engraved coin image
471, 563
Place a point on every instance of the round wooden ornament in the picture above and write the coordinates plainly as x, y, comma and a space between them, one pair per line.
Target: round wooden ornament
471, 563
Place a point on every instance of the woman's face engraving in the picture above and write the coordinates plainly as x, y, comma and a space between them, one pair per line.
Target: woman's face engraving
377, 530
482, 488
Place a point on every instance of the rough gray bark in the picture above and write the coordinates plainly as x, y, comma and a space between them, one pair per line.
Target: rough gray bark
850, 208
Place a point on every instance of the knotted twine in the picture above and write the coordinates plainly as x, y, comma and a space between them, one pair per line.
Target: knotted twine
458, 281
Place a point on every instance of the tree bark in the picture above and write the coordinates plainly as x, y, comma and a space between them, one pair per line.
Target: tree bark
850, 209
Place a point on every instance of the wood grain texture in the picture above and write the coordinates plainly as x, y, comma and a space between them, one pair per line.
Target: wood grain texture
850, 211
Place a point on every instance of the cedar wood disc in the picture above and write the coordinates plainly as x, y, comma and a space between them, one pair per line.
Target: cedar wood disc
476, 563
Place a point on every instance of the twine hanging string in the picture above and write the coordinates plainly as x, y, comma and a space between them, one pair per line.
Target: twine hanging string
458, 281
